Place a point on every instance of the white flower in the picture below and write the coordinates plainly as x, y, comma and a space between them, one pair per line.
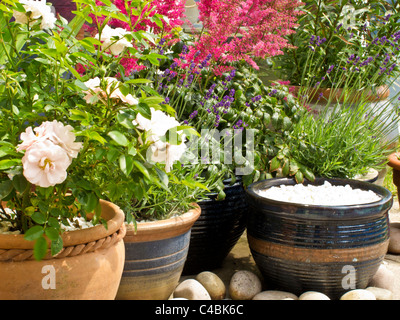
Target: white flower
61, 136
114, 39
164, 152
156, 127
35, 10
112, 90
45, 164
159, 123
28, 138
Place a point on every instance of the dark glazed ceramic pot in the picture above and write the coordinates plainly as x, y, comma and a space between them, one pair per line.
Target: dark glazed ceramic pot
217, 230
300, 247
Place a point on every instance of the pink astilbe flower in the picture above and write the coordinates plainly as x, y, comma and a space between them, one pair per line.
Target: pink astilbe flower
236, 30
171, 9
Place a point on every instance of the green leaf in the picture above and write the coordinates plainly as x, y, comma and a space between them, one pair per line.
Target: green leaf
5, 188
56, 245
126, 164
275, 164
8, 163
91, 202
34, 233
144, 110
40, 248
118, 137
38, 217
20, 183
52, 233
142, 169
163, 177
139, 81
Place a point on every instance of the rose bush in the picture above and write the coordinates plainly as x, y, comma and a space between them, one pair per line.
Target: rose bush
69, 138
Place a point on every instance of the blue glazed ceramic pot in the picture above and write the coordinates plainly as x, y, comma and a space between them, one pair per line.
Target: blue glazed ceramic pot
330, 249
155, 253
217, 230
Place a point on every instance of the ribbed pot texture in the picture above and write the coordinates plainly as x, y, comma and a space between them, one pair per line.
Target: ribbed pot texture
217, 230
89, 267
330, 249
155, 255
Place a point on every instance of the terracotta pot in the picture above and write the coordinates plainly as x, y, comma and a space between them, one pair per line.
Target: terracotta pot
330, 249
336, 95
394, 162
155, 255
89, 266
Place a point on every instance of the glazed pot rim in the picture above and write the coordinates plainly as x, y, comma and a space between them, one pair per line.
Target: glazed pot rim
110, 212
161, 229
321, 210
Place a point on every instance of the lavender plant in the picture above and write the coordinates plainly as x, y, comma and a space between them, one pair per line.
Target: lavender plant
355, 127
235, 103
350, 35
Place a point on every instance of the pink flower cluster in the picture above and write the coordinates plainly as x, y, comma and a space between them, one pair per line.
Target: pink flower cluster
172, 9
238, 30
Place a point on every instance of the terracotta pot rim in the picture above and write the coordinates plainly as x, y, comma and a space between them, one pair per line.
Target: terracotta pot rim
394, 162
326, 92
110, 212
162, 229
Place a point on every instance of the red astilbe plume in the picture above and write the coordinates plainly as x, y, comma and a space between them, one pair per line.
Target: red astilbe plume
235, 30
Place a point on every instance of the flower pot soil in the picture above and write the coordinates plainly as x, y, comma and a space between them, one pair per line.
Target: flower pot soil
89, 267
327, 248
217, 230
155, 255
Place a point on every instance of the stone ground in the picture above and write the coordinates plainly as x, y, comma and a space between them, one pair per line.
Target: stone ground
240, 257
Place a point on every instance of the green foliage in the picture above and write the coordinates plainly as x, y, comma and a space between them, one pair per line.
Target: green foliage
39, 83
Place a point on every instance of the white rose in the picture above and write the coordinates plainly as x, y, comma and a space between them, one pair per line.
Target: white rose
114, 39
60, 135
35, 10
45, 164
156, 127
159, 123
112, 90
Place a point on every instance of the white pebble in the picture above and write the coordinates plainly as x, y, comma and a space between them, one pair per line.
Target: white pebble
325, 194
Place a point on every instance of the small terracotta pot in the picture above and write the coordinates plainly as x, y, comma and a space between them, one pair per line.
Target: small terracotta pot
89, 266
394, 162
155, 255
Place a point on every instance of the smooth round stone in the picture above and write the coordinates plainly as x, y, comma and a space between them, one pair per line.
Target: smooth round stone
383, 278
275, 295
213, 284
358, 294
191, 289
244, 285
380, 293
394, 240
313, 295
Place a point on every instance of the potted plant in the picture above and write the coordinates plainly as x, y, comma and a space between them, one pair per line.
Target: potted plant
69, 147
215, 96
342, 49
157, 193
330, 235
